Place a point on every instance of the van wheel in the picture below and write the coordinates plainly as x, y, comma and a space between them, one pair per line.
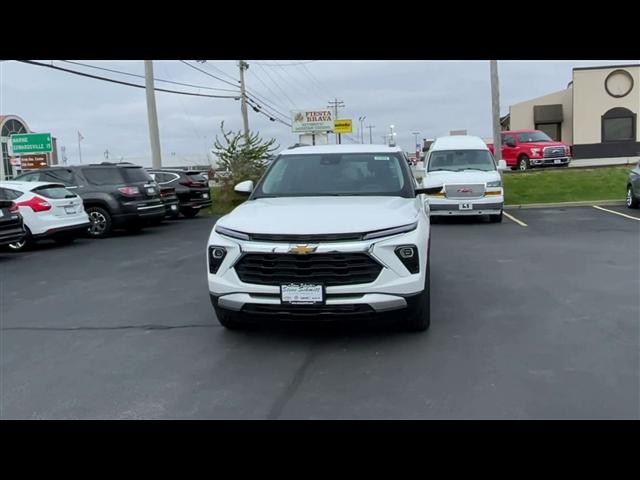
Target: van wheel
523, 163
100, 222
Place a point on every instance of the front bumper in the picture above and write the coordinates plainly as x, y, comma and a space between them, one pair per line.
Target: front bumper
390, 291
479, 206
549, 161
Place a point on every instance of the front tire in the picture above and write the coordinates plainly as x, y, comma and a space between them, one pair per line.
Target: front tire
523, 163
226, 319
632, 202
190, 212
420, 319
101, 224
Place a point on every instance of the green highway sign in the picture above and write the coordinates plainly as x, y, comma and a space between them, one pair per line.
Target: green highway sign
27, 143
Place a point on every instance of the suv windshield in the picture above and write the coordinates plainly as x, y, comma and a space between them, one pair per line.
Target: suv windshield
529, 137
367, 174
458, 160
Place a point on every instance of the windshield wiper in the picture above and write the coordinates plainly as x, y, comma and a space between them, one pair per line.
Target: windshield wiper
478, 169
442, 170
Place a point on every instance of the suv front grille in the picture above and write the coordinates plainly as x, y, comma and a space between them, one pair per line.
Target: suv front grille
323, 268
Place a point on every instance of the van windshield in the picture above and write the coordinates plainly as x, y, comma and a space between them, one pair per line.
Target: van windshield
459, 160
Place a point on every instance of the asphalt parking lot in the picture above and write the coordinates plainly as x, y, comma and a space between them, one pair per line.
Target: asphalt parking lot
535, 322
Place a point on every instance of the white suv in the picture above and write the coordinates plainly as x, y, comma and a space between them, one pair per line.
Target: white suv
329, 231
469, 180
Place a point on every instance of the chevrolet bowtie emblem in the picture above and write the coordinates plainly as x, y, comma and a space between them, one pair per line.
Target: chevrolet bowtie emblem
302, 249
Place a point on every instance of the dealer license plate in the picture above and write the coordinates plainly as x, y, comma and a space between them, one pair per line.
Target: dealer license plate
302, 293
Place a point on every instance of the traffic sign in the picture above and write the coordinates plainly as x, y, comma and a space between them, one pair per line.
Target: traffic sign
27, 143
343, 126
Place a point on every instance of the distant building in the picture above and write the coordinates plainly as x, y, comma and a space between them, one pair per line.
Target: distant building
597, 113
10, 125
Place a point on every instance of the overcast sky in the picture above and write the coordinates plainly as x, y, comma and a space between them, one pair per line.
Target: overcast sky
430, 97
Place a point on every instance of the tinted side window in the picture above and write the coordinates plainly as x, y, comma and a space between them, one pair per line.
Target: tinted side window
136, 174
8, 194
103, 176
29, 177
58, 176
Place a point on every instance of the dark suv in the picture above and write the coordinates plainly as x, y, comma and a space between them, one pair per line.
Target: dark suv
114, 195
11, 225
192, 189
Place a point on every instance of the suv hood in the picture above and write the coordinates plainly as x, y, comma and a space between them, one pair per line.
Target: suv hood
436, 179
321, 215
543, 144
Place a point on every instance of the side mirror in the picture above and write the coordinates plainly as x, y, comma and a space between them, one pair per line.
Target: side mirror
509, 142
244, 188
428, 190
502, 165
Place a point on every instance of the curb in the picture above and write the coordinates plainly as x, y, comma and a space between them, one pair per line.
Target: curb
567, 204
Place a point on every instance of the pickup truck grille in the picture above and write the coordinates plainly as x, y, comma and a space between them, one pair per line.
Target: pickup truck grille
323, 268
464, 190
553, 152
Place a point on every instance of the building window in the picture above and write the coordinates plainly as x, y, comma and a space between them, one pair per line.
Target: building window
12, 126
551, 129
619, 125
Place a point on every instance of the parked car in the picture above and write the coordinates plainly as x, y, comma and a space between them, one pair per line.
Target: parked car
115, 195
191, 187
633, 188
468, 178
170, 201
523, 149
329, 231
11, 223
49, 210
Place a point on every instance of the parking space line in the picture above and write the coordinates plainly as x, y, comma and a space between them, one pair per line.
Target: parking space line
616, 213
514, 219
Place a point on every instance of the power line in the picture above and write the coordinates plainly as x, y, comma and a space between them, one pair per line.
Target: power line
284, 64
258, 108
142, 76
207, 73
290, 83
268, 88
221, 71
268, 102
74, 72
315, 79
279, 87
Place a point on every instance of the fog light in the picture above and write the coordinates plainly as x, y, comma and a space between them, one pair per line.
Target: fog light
216, 256
408, 255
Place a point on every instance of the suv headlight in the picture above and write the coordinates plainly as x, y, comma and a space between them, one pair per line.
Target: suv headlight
496, 184
216, 257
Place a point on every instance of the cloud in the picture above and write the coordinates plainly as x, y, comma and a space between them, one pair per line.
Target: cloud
431, 97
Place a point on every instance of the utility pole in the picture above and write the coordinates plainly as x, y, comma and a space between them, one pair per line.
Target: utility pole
415, 134
243, 99
370, 127
152, 113
495, 110
335, 105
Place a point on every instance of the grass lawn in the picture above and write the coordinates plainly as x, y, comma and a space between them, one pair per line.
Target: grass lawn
539, 186
566, 185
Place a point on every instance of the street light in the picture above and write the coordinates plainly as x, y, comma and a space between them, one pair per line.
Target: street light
416, 139
361, 120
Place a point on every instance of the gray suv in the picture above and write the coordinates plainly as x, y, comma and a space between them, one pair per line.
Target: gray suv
633, 188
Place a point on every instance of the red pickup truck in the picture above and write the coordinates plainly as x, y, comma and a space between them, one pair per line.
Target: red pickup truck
524, 149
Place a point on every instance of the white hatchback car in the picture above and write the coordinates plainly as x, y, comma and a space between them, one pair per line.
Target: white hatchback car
49, 210
469, 180
338, 231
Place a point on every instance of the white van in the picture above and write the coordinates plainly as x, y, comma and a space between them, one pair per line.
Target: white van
470, 179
